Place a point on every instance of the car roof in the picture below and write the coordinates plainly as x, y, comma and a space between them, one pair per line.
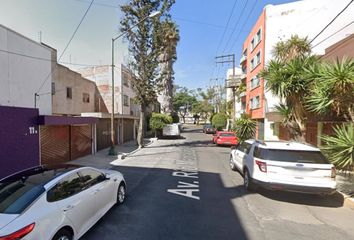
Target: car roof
40, 175
285, 145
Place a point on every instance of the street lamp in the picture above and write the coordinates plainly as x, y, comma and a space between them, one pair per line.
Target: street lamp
112, 150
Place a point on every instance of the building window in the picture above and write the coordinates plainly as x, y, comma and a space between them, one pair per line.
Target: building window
259, 36
252, 63
69, 92
252, 44
126, 100
86, 97
258, 58
254, 102
255, 82
125, 79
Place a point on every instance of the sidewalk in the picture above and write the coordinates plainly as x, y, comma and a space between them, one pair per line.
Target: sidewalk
102, 160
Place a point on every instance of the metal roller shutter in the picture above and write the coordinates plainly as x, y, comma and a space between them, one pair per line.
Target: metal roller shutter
81, 141
55, 146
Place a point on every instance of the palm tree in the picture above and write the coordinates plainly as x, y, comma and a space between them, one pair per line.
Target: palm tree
169, 38
292, 48
288, 81
333, 88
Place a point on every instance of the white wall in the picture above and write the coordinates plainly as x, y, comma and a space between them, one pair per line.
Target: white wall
21, 77
306, 19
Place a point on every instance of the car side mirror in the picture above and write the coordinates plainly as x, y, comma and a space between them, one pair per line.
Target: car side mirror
106, 177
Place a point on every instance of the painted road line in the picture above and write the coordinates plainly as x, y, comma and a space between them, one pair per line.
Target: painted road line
186, 170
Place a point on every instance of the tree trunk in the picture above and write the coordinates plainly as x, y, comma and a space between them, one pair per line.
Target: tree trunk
141, 129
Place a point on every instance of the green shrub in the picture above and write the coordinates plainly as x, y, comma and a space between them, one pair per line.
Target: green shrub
219, 121
339, 149
158, 121
175, 117
244, 128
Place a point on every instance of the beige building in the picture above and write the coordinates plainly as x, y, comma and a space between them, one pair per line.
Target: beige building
72, 94
126, 111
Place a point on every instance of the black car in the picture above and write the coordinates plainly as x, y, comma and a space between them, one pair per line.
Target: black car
208, 128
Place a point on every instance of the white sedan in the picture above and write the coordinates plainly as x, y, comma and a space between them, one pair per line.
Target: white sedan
57, 203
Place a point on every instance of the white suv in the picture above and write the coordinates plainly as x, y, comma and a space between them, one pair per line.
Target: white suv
280, 165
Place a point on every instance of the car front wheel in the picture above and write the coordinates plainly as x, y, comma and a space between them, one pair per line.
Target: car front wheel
121, 193
232, 164
63, 234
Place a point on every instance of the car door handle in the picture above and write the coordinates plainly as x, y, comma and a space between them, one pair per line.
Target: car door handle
67, 208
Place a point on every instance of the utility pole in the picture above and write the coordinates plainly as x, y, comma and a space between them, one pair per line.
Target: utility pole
216, 97
230, 58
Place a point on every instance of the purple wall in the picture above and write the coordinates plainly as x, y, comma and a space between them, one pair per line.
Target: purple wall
19, 139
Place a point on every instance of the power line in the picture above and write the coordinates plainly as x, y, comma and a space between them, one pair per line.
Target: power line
67, 45
332, 21
50, 60
333, 34
237, 22
248, 16
343, 43
99, 4
227, 24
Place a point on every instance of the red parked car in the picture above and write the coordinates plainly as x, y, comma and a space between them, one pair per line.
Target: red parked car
225, 138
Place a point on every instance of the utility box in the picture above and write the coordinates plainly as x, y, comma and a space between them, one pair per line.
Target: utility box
171, 130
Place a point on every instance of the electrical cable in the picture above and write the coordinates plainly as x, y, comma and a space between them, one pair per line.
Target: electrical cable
50, 60
67, 45
248, 16
227, 24
237, 22
332, 21
333, 34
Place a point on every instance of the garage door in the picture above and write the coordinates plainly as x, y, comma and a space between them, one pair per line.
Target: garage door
81, 141
55, 147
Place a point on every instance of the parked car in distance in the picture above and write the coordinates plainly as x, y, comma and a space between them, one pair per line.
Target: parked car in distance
225, 138
208, 128
281, 165
57, 202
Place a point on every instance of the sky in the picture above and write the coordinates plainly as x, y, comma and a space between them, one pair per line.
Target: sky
208, 28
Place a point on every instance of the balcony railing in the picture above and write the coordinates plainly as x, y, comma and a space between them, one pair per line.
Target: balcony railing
243, 58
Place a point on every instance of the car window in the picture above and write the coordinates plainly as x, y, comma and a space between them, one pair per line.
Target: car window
227, 135
256, 152
91, 177
244, 147
16, 196
67, 187
293, 156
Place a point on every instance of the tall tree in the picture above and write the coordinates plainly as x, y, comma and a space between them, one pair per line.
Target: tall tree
144, 47
286, 77
169, 35
183, 102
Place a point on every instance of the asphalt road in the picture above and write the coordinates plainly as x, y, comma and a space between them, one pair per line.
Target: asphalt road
184, 189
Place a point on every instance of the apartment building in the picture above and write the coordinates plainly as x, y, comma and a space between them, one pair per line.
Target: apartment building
126, 111
276, 23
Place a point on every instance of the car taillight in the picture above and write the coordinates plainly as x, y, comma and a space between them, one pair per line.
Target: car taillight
20, 233
262, 166
333, 172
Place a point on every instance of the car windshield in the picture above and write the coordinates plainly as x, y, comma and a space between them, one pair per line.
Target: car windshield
227, 135
293, 156
16, 196
208, 126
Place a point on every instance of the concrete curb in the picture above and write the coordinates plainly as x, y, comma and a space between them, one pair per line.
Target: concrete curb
348, 201
121, 157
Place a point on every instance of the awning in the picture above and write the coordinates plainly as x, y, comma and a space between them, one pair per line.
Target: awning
65, 120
